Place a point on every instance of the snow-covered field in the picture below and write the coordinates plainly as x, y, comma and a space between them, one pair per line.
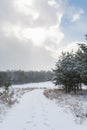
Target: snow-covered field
36, 112
36, 85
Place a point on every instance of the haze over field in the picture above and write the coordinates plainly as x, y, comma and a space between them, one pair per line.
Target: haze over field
34, 32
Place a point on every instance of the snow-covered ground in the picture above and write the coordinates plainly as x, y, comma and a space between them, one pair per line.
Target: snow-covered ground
36, 85
36, 112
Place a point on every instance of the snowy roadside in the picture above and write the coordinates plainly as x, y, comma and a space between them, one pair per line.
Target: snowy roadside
74, 104
13, 97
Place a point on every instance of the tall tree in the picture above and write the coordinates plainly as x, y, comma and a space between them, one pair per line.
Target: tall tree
66, 73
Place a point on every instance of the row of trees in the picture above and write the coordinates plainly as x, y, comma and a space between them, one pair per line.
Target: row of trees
71, 69
20, 77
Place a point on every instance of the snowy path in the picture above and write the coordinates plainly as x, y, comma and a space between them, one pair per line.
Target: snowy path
35, 112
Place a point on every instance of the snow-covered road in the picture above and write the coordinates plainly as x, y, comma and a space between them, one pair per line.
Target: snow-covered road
36, 112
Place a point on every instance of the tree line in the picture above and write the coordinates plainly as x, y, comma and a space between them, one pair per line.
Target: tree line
21, 77
71, 69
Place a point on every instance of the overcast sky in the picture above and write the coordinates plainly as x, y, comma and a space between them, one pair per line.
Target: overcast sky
34, 32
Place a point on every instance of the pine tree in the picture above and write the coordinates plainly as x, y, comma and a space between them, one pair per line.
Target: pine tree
66, 73
82, 62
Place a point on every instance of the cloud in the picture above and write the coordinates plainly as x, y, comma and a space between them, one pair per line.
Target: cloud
16, 54
53, 3
40, 35
25, 26
26, 7
46, 22
56, 52
31, 31
77, 15
71, 47
37, 35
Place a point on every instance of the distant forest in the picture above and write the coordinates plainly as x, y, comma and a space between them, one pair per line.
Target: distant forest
21, 77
